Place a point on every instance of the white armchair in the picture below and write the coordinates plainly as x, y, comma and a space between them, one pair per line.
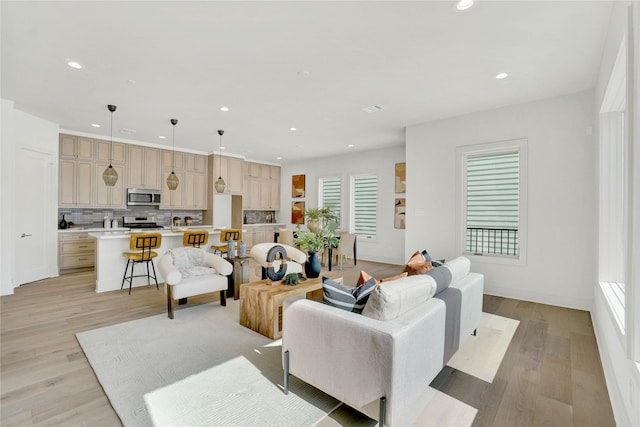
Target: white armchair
191, 271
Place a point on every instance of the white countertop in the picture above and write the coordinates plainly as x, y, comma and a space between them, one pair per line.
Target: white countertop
268, 224
102, 233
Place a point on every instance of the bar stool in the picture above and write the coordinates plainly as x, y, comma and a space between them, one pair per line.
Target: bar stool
195, 238
142, 244
226, 235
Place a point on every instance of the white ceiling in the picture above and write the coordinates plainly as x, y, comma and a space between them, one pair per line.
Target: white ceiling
277, 65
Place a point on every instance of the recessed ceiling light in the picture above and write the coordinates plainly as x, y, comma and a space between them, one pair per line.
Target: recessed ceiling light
162, 137
74, 64
373, 108
222, 148
224, 108
464, 4
293, 128
350, 145
95, 125
279, 158
502, 76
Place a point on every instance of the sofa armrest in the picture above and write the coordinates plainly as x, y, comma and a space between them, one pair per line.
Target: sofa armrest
357, 359
171, 274
222, 266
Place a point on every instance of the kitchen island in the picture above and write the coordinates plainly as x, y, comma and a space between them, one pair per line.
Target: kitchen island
110, 263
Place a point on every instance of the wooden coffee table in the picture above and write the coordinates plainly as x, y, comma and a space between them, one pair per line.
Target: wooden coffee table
261, 303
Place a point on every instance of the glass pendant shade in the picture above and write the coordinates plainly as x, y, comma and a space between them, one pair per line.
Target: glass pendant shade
220, 185
172, 181
110, 176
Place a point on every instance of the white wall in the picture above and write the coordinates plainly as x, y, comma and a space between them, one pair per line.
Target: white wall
388, 247
562, 195
20, 129
621, 372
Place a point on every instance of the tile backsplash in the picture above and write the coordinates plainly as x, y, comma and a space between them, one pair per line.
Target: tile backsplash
259, 217
94, 217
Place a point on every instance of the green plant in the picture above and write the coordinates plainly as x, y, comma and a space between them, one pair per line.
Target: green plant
291, 279
325, 216
316, 241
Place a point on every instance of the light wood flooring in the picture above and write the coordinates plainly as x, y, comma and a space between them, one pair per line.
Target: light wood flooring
551, 374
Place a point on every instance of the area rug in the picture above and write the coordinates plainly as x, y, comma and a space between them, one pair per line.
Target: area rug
163, 361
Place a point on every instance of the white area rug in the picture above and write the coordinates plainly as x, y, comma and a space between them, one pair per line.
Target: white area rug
482, 354
203, 368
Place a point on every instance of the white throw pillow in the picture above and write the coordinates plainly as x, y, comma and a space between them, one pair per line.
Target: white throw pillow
391, 299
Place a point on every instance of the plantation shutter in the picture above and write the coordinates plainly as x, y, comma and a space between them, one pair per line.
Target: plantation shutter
492, 202
331, 194
365, 205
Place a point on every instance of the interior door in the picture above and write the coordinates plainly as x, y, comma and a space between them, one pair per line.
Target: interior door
35, 180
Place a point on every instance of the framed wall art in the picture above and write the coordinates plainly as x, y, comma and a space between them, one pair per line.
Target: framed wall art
401, 177
297, 212
400, 213
297, 186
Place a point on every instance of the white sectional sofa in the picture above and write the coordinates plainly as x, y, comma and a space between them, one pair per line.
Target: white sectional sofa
394, 349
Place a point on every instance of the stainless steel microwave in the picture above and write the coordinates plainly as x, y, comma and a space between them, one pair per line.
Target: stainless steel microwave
143, 197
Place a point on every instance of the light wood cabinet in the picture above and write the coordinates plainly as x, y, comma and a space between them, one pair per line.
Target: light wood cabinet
108, 196
261, 192
170, 160
76, 147
258, 234
172, 198
101, 151
75, 250
231, 171
75, 183
191, 170
143, 167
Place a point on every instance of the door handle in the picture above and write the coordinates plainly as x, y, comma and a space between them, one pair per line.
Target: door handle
25, 235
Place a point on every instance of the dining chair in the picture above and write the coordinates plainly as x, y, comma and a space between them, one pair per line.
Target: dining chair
345, 248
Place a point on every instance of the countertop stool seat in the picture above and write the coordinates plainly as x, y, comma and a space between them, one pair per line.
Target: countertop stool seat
141, 246
227, 234
195, 238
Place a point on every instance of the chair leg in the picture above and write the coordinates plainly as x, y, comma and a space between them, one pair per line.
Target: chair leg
286, 372
133, 264
383, 411
155, 276
124, 278
170, 301
223, 298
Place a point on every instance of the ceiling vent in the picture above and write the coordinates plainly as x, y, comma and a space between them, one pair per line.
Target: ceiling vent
127, 131
373, 109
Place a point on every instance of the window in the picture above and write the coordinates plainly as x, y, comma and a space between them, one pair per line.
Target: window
331, 194
492, 199
364, 205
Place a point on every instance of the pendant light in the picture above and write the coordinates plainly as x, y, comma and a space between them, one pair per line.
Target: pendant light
220, 182
110, 176
172, 179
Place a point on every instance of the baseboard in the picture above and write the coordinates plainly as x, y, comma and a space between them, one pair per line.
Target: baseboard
579, 303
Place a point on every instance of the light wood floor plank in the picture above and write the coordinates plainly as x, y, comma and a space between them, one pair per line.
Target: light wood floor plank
45, 378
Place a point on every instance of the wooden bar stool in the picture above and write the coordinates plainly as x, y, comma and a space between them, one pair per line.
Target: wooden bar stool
195, 238
142, 244
226, 235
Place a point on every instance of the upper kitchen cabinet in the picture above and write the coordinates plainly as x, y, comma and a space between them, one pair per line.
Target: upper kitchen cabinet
76, 147
105, 196
101, 151
75, 183
261, 187
143, 167
172, 160
231, 171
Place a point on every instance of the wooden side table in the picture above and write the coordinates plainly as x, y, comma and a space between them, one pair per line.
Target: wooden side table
261, 303
240, 273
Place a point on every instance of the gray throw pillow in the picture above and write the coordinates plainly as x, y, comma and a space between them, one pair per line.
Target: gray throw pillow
349, 299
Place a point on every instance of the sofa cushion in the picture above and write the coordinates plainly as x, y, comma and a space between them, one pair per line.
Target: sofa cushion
417, 264
459, 267
350, 299
391, 299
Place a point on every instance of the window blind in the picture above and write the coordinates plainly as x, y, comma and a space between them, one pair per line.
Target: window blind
365, 205
492, 203
331, 194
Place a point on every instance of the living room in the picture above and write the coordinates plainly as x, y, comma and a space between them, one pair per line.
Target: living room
561, 263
